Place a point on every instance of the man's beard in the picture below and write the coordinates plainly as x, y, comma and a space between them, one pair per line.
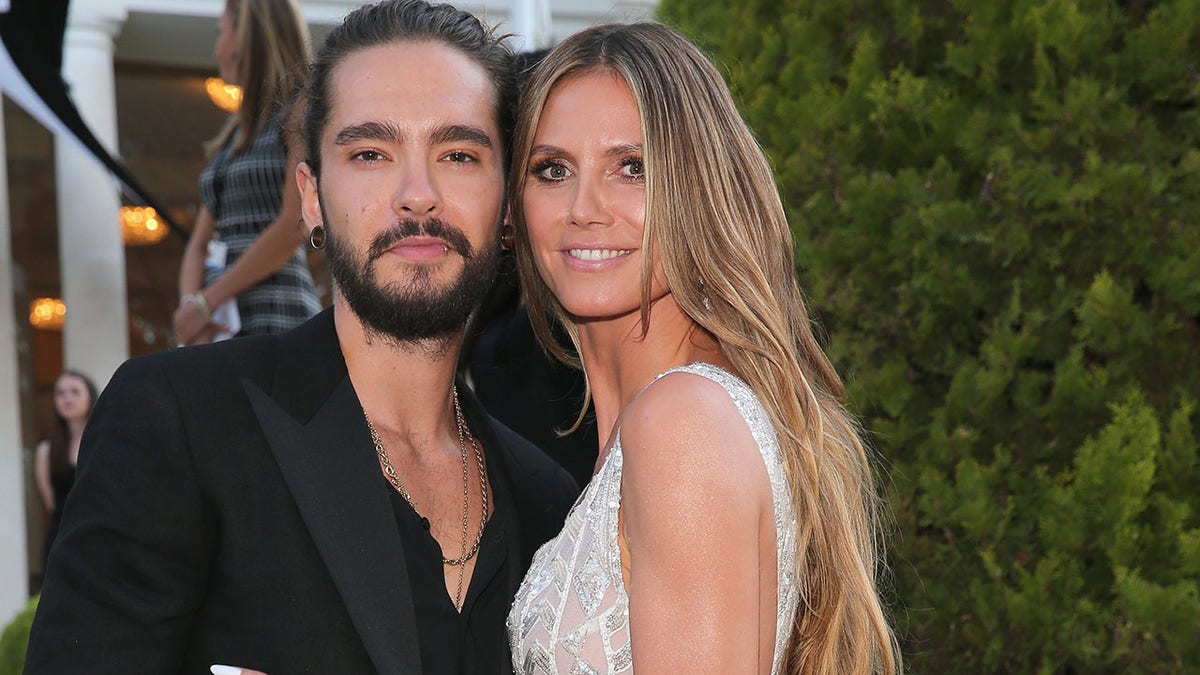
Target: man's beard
413, 310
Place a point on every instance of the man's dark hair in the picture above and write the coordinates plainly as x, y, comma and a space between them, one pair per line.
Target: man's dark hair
409, 21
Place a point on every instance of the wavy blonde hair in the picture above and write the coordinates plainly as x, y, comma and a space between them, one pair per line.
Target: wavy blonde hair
274, 53
716, 226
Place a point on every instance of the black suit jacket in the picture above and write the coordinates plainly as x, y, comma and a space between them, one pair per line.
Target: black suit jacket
229, 510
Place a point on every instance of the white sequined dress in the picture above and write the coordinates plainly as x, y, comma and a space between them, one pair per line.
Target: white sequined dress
571, 614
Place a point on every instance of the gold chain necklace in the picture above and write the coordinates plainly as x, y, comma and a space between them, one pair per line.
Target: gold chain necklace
464, 434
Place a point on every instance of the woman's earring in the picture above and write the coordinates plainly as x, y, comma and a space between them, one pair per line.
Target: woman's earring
704, 296
316, 238
508, 236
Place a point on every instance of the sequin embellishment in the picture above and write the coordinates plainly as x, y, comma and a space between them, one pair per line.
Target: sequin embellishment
571, 614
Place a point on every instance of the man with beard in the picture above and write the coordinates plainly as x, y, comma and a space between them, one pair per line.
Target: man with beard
328, 500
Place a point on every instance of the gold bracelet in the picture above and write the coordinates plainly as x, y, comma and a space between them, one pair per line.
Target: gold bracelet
200, 301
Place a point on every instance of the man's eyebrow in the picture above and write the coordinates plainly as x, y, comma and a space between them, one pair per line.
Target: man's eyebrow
369, 131
461, 133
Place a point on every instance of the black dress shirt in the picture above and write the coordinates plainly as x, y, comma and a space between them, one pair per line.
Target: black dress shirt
471, 642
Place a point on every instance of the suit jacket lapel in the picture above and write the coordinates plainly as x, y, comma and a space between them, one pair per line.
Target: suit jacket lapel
332, 472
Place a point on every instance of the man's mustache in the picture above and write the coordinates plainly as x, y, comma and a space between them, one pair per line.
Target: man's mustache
410, 227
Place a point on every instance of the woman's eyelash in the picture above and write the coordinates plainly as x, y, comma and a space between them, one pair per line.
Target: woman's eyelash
634, 165
539, 170
634, 161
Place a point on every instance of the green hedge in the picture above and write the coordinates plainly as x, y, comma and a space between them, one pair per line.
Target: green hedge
15, 639
997, 210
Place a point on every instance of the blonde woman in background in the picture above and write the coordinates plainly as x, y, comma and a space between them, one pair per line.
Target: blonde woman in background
245, 245
731, 524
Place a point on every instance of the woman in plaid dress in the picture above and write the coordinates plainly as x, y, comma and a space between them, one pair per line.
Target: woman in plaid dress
245, 245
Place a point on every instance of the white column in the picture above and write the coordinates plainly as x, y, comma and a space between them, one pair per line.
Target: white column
531, 22
14, 575
91, 253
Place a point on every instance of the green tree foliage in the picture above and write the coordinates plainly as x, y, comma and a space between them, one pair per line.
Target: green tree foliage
996, 206
14, 640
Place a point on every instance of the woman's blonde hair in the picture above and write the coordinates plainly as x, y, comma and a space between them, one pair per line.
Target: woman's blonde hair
716, 225
273, 56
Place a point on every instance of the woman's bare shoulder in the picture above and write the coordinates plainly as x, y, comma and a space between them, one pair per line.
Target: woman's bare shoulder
687, 426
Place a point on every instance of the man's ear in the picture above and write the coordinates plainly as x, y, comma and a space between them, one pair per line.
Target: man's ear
310, 201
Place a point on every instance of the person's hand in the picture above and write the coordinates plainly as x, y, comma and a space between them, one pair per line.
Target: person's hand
218, 669
205, 336
191, 321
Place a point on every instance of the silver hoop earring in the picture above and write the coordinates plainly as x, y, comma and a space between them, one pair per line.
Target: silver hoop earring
316, 238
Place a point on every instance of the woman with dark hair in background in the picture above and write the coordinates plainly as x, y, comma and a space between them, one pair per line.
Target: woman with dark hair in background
731, 524
55, 458
245, 245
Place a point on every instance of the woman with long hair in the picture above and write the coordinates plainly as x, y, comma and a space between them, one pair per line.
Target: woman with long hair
731, 524
245, 245
55, 458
